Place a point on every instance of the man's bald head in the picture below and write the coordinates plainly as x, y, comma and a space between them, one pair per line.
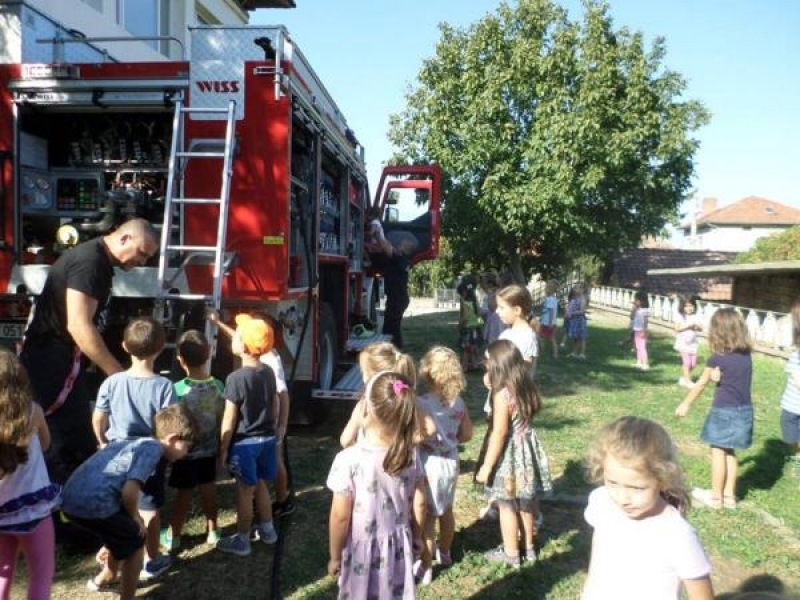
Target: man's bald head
133, 243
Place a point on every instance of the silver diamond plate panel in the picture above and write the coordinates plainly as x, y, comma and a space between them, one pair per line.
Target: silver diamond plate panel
217, 65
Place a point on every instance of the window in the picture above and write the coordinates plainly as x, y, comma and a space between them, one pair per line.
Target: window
95, 4
145, 18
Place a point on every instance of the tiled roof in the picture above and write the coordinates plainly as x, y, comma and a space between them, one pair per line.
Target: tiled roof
630, 270
752, 210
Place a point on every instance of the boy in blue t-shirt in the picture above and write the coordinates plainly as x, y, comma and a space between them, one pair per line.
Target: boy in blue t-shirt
102, 495
126, 405
248, 440
202, 394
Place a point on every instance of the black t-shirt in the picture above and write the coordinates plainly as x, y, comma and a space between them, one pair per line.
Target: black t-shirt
252, 390
86, 268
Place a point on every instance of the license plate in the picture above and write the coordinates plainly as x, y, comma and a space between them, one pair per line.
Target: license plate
11, 331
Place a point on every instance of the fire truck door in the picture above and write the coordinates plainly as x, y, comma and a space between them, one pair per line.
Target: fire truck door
409, 197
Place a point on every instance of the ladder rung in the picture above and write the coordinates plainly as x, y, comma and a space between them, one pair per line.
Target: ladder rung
180, 296
190, 109
181, 248
200, 154
196, 200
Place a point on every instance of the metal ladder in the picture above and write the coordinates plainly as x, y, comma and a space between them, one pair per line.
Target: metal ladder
213, 149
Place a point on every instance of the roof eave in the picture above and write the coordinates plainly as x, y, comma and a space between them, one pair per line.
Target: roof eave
785, 266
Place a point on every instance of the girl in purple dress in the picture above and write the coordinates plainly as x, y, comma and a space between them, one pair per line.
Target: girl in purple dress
378, 489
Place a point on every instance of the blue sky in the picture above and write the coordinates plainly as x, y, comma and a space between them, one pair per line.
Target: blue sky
741, 59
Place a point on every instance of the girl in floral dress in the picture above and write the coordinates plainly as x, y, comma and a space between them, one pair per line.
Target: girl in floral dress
511, 470
378, 489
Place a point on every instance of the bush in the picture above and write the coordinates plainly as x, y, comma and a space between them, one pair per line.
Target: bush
775, 247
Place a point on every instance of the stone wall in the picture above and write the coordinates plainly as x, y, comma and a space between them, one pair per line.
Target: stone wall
774, 292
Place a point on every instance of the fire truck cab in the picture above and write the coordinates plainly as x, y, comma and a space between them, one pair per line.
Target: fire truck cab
243, 162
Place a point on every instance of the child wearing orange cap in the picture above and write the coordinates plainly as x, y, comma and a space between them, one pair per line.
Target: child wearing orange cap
248, 439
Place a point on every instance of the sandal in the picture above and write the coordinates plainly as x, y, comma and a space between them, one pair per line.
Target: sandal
729, 502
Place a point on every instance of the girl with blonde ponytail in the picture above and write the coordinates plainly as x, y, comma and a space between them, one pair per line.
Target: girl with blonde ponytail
378, 488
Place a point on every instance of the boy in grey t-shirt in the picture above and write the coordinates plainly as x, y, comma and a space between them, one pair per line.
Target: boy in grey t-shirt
102, 494
126, 405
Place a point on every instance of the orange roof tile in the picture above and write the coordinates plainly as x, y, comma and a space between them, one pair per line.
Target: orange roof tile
752, 210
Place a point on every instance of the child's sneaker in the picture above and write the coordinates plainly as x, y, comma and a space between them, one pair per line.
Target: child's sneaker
498, 555
283, 509
169, 542
529, 557
443, 558
705, 498
154, 567
422, 576
213, 537
267, 534
234, 544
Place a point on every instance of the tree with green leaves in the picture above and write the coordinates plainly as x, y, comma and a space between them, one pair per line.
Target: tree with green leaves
558, 138
772, 248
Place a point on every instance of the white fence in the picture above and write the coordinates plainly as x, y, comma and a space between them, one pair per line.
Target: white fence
770, 331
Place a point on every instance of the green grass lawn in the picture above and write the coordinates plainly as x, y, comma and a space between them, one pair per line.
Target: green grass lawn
756, 546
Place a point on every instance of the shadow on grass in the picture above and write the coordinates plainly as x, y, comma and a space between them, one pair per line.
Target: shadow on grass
762, 470
563, 551
760, 587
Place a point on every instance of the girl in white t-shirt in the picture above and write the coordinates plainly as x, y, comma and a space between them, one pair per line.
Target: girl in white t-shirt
514, 306
642, 546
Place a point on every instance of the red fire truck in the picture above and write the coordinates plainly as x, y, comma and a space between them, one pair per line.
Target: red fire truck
242, 160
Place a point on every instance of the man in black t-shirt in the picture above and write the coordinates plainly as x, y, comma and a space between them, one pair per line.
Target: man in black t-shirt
63, 329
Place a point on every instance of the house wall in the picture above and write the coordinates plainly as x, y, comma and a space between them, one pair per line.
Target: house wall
98, 18
727, 239
774, 292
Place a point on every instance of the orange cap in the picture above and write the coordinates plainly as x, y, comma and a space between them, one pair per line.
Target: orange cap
256, 334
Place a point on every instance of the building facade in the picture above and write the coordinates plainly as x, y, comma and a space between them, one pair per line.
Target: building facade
736, 227
26, 24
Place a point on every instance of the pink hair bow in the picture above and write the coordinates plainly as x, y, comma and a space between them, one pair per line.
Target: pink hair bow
398, 386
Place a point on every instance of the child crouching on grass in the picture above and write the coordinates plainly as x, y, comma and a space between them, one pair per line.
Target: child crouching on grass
441, 371
102, 495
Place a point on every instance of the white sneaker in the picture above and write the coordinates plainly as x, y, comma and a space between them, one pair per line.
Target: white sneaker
268, 535
685, 383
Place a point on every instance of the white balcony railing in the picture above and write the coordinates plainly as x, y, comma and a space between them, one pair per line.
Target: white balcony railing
770, 331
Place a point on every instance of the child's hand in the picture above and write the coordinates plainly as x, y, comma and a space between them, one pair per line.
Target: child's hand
334, 567
142, 526
682, 410
482, 476
716, 375
212, 315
